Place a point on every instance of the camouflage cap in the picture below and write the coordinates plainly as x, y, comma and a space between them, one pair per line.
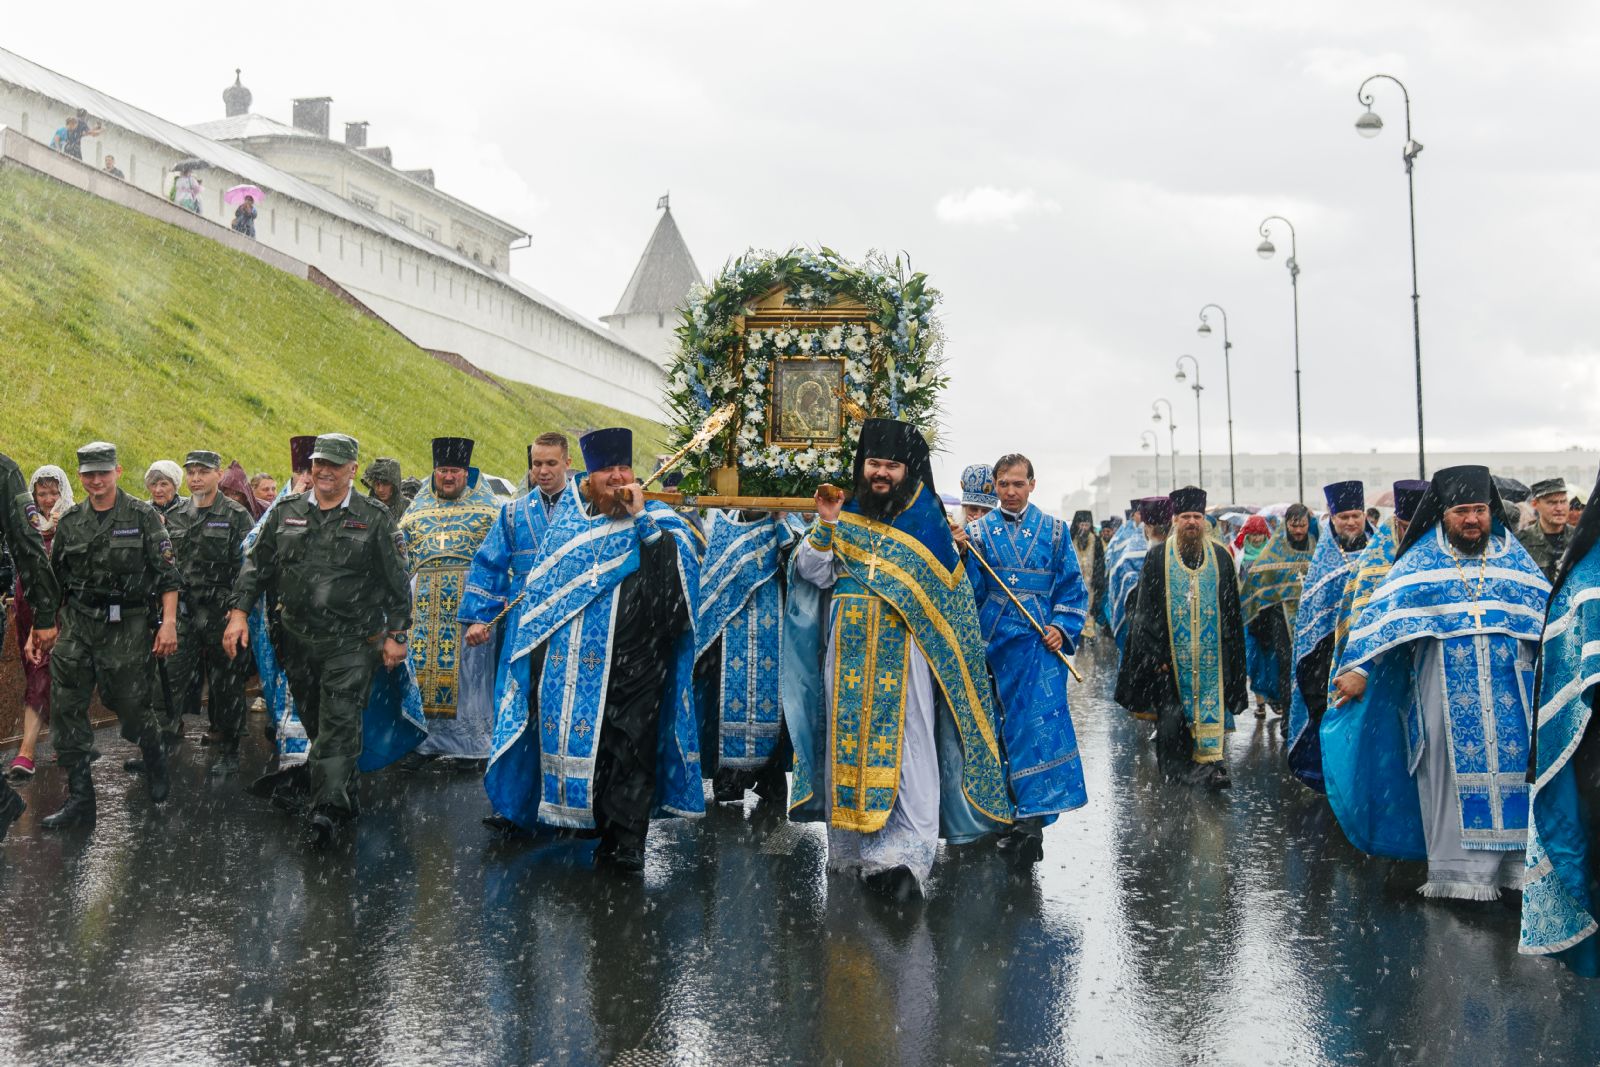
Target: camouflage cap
336, 448
97, 456
201, 457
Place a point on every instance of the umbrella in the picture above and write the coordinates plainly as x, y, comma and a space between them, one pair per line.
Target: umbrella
1385, 499
1274, 510
1511, 490
190, 164
236, 194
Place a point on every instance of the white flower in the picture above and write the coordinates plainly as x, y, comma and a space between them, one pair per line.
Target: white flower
806, 340
754, 340
834, 340
806, 292
858, 330
804, 461
857, 342
858, 395
782, 338
854, 367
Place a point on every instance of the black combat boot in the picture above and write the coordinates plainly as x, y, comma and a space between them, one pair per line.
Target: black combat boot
11, 808
155, 771
79, 808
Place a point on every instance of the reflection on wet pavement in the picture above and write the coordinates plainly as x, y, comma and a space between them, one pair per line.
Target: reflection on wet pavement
1164, 927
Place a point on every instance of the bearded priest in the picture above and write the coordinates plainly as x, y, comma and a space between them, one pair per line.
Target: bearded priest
901, 749
1425, 754
1185, 656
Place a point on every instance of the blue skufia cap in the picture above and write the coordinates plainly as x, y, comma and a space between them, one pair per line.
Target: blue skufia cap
607, 448
1345, 496
977, 487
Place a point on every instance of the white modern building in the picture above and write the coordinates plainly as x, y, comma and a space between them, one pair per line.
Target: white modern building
429, 264
1271, 478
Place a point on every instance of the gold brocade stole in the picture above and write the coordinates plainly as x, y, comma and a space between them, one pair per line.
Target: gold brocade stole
867, 728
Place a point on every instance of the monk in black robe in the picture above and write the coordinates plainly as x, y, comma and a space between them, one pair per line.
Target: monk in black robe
1148, 679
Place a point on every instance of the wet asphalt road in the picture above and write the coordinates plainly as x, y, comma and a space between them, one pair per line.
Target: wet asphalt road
1164, 927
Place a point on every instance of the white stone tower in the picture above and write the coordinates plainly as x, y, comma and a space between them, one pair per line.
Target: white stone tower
647, 314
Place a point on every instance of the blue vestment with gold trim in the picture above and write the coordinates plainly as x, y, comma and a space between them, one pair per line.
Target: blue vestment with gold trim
897, 584
1124, 563
442, 537
1321, 593
1035, 558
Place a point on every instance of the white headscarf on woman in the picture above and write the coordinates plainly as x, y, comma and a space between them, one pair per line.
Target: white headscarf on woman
51, 473
165, 468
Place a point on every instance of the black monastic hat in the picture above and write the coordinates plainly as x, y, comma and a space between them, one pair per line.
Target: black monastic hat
1189, 498
1450, 488
894, 440
1083, 516
1155, 510
452, 452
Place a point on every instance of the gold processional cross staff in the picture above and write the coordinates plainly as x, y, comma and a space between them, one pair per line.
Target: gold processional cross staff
1026, 614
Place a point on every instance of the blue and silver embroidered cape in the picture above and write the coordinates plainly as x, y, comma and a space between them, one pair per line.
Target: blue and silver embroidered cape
545, 774
1364, 579
1321, 592
1371, 746
741, 602
897, 583
1124, 563
1559, 894
500, 566
457, 680
392, 723
1036, 559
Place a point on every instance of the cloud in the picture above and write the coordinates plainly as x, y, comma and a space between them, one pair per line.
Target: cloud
986, 205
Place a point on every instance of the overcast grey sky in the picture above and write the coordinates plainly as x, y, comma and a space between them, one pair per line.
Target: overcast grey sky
1078, 178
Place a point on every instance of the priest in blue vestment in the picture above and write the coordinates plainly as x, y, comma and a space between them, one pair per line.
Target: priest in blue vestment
1344, 538
1425, 755
1371, 569
977, 492
1269, 596
443, 528
1033, 555
1560, 916
1185, 659
1124, 561
898, 746
738, 655
596, 729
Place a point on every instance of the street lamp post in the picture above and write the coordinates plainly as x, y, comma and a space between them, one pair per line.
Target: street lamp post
1172, 434
1370, 125
1156, 442
1199, 447
1227, 372
1266, 250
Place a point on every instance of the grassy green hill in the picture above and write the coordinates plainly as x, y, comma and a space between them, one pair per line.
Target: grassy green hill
116, 327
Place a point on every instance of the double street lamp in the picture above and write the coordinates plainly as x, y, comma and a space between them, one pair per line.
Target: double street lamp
1266, 250
1370, 125
1147, 439
1172, 434
1199, 448
1204, 330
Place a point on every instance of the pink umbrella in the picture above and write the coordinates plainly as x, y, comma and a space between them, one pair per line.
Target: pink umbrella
237, 194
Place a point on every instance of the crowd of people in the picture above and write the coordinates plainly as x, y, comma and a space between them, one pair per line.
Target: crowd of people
875, 663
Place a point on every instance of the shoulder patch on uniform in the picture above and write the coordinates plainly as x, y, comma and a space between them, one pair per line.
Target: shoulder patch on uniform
294, 522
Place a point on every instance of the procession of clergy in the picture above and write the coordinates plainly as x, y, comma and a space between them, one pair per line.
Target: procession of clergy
602, 654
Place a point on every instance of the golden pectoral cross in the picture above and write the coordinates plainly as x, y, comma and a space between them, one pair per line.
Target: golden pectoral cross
872, 567
1477, 611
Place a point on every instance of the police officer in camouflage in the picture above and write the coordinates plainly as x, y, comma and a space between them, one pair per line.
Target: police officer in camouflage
19, 536
208, 532
118, 576
333, 561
